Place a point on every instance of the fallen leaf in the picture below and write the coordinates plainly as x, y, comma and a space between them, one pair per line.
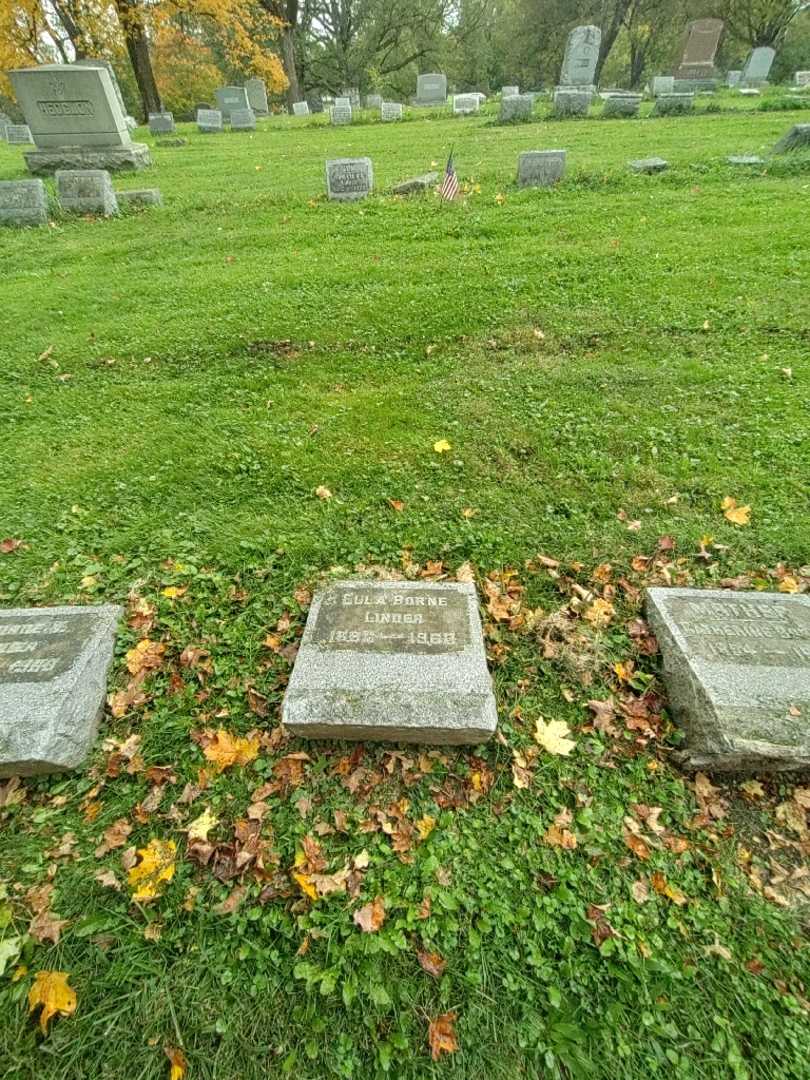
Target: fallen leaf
231, 901
442, 446
156, 867
640, 891
323, 492
305, 884
225, 750
396, 504
558, 835
8, 545
737, 515
371, 916
552, 736
636, 845
442, 1035
201, 826
52, 992
600, 613
114, 837
145, 657
425, 826
663, 888
178, 1062
432, 962
789, 584
108, 879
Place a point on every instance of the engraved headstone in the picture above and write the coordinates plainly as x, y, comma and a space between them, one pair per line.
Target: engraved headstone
516, 107
737, 671
209, 121
581, 56
702, 41
23, 202
622, 105
256, 91
348, 179
300, 108
390, 110
113, 78
374, 101
344, 102
431, 89
572, 100
230, 98
86, 191
161, 123
340, 114
392, 661
466, 103
674, 104
53, 680
243, 120
798, 138
733, 78
758, 66
75, 119
509, 91
540, 168
802, 78
662, 84
18, 135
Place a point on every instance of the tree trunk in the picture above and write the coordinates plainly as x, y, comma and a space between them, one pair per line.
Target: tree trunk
138, 49
288, 60
609, 35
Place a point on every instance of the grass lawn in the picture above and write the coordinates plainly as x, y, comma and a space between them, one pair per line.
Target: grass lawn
609, 360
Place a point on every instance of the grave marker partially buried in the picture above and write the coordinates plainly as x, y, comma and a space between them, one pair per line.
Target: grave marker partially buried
737, 671
392, 661
53, 681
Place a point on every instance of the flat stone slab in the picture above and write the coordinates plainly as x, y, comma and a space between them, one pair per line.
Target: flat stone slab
86, 191
417, 184
140, 197
649, 165
110, 158
745, 159
53, 682
23, 202
392, 661
516, 107
737, 671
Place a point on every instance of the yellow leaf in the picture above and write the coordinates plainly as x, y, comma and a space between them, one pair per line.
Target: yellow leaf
737, 515
226, 750
89, 582
500, 198
178, 1062
173, 591
146, 656
306, 885
157, 866
789, 584
552, 737
442, 446
425, 826
201, 826
323, 492
600, 613
468, 512
51, 991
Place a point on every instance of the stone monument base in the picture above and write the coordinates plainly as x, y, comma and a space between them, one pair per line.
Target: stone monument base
110, 158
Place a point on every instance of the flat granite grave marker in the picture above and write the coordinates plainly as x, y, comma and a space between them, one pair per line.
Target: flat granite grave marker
392, 661
737, 671
209, 121
662, 84
802, 78
86, 191
649, 165
758, 66
243, 120
509, 91
340, 114
256, 91
18, 135
572, 100
674, 104
516, 107
390, 110
621, 105
581, 56
348, 179
76, 120
23, 202
745, 159
300, 108
466, 103
230, 98
431, 89
53, 682
416, 185
161, 123
540, 168
139, 197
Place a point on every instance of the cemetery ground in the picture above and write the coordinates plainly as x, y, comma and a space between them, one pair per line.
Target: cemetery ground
211, 406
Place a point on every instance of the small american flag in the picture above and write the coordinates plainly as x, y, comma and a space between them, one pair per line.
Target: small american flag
449, 189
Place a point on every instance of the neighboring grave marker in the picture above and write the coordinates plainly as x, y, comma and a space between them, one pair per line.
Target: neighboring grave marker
509, 91
674, 104
466, 103
86, 191
622, 105
737, 671
798, 138
540, 168
392, 661
390, 110
581, 56
243, 120
340, 114
662, 84
23, 202
431, 89
348, 179
516, 107
758, 66
161, 123
300, 108
702, 42
374, 101
18, 135
256, 91
209, 121
802, 78
733, 78
230, 98
53, 675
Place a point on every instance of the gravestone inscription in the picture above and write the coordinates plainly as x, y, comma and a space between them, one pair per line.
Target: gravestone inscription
53, 675
209, 121
230, 98
340, 114
737, 671
431, 89
18, 135
23, 202
86, 191
348, 179
390, 110
581, 56
392, 661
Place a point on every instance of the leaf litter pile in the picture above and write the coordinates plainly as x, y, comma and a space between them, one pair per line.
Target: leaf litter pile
395, 902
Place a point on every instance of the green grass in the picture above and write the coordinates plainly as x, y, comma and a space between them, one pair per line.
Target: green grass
671, 360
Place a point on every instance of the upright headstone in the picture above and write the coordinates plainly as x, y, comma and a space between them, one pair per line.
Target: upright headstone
161, 123
340, 114
466, 103
662, 84
209, 121
230, 98
737, 671
300, 108
540, 168
758, 66
352, 96
22, 202
344, 102
75, 119
349, 179
509, 91
581, 56
113, 79
53, 681
243, 120
622, 105
798, 138
374, 101
702, 42
86, 191
256, 91
392, 661
802, 78
572, 100
674, 104
516, 107
431, 89
733, 79
19, 135
390, 110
